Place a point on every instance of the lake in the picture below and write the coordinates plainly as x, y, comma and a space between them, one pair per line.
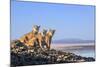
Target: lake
82, 49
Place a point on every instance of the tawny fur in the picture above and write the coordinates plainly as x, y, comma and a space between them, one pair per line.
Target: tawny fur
41, 38
30, 38
48, 38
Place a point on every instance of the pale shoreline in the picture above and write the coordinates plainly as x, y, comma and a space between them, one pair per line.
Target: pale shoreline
86, 50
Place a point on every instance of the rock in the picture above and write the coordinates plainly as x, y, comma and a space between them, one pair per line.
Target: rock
21, 55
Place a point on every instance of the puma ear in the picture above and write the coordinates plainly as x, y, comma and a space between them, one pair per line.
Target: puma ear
39, 26
54, 30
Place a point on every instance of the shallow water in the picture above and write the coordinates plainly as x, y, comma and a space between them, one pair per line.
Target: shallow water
85, 51
82, 51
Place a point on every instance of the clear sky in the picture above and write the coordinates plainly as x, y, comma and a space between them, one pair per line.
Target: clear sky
69, 21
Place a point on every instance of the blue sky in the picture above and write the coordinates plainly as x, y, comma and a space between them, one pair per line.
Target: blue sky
69, 21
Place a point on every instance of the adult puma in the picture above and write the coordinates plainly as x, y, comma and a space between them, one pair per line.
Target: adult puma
41, 38
30, 38
48, 38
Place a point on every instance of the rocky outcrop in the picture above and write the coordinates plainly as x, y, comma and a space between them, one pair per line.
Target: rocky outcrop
22, 55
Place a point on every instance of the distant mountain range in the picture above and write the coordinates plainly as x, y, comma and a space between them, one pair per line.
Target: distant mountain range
73, 41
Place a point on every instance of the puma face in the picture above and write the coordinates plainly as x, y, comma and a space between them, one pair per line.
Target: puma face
44, 32
36, 28
51, 32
